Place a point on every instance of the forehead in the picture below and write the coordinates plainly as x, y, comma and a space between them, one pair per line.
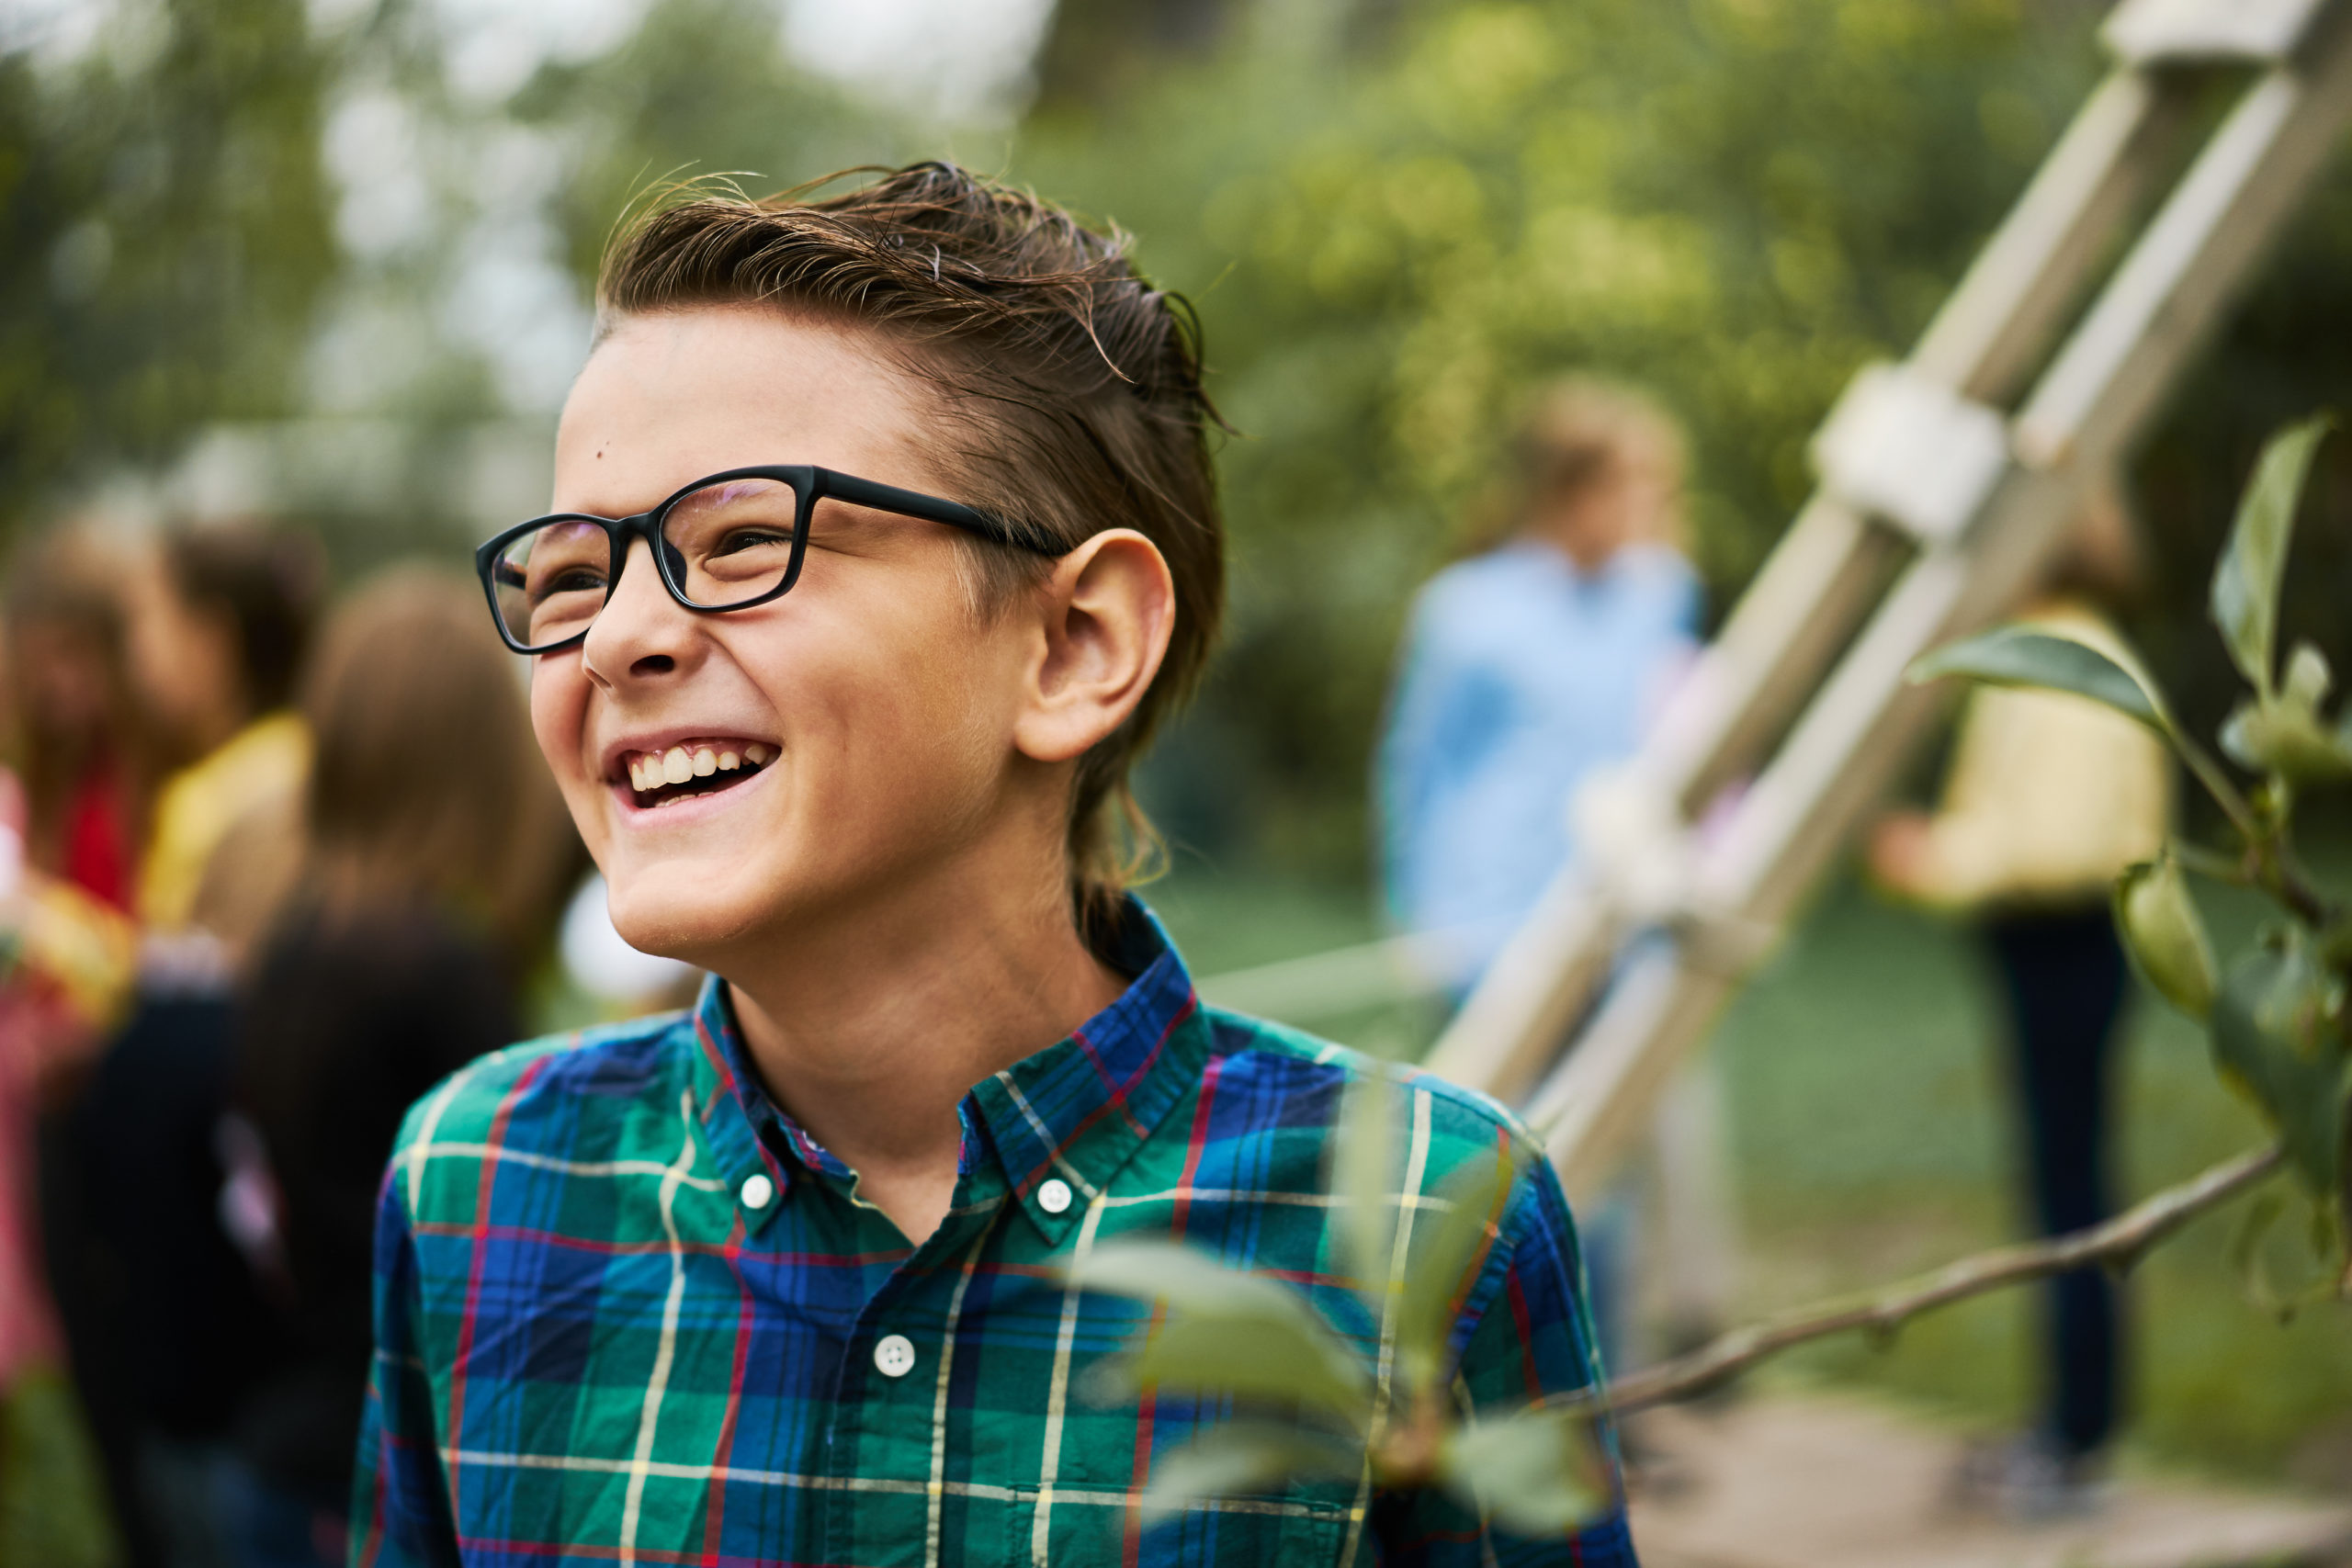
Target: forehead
669, 397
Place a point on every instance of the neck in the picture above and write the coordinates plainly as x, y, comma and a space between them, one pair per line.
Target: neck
870, 1024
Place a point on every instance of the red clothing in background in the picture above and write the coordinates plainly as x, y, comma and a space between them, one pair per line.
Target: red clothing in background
97, 839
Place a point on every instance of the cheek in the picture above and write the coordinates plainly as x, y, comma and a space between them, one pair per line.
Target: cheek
908, 718
558, 710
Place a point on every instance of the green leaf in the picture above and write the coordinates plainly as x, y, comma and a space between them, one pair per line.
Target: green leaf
1251, 1359
2308, 677
2278, 735
2256, 1279
2245, 1251
1443, 1250
1536, 1472
1227, 1331
1364, 1179
2274, 1038
2245, 584
2165, 935
1186, 1279
1243, 1457
2031, 657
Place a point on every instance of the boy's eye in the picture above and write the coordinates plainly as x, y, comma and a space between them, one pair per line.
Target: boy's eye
731, 542
571, 580
742, 539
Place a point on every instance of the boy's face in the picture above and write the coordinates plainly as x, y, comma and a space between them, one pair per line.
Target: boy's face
885, 706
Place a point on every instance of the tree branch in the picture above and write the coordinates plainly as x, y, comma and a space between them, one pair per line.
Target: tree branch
2119, 1242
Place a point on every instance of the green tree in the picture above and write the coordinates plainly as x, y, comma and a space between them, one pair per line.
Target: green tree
1735, 203
167, 232
701, 89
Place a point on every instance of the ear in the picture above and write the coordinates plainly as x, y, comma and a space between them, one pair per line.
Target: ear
1106, 612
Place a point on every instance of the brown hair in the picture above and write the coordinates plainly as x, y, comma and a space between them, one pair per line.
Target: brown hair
70, 583
269, 582
426, 785
1577, 434
1070, 390
2102, 559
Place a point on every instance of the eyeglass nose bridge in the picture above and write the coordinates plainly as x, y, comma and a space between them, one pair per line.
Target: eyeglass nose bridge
669, 565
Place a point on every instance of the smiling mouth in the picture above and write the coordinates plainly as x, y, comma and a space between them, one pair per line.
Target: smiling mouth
660, 778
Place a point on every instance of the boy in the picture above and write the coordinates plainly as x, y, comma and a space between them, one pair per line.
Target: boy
778, 1281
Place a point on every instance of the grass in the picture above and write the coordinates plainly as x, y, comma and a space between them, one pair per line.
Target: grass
1870, 1139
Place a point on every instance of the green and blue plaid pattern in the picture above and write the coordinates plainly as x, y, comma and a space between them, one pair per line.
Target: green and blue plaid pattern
627, 1312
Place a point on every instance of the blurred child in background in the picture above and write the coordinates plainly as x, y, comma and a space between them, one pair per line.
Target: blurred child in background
1528, 669
162, 1319
223, 619
84, 754
1529, 666
437, 855
2048, 798
71, 811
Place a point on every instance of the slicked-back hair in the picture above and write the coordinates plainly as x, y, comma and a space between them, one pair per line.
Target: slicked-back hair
1069, 395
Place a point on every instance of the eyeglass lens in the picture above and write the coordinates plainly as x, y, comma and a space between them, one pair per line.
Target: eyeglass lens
725, 543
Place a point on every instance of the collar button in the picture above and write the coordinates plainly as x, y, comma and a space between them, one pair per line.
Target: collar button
758, 1191
1052, 1195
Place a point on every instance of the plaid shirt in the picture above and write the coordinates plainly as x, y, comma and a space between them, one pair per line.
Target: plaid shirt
628, 1311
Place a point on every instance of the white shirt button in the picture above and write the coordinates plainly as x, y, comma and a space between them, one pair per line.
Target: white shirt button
1052, 1195
758, 1192
894, 1355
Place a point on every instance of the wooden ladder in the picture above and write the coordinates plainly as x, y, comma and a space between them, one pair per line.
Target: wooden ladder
1946, 482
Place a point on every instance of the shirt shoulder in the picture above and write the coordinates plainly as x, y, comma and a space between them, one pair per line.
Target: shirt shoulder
1457, 595
556, 1098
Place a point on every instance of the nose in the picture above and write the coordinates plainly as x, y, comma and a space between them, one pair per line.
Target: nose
641, 633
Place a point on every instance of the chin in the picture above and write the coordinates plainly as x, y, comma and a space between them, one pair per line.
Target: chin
687, 910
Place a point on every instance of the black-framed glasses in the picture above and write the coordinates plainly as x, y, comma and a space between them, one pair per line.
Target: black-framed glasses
727, 542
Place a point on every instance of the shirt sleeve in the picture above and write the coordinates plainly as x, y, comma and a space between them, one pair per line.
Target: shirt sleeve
400, 1509
1526, 1333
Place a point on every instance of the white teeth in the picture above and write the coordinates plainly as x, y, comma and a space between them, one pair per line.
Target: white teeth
650, 772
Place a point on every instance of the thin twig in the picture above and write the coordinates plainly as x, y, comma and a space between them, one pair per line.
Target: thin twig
2206, 772
2119, 1242
2212, 864
2284, 881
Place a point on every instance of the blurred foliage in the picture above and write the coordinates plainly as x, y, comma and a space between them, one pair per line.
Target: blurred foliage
167, 232
1317, 1410
1736, 203
2276, 1009
703, 88
2264, 372
1095, 52
1397, 215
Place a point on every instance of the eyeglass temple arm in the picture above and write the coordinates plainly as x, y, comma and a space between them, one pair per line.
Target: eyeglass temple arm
930, 508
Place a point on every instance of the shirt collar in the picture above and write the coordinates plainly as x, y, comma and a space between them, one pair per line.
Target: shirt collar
1076, 1111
